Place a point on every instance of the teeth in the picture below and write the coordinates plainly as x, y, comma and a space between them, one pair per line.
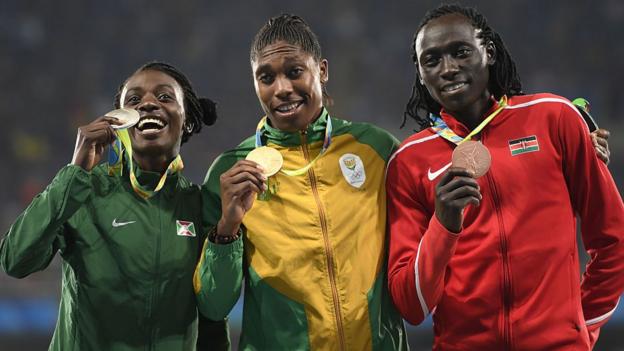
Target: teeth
454, 86
155, 121
288, 107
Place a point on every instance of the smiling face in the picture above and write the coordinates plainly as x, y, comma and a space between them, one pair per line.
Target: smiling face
160, 102
288, 83
453, 64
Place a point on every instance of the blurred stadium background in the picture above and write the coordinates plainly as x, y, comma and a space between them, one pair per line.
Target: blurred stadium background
62, 61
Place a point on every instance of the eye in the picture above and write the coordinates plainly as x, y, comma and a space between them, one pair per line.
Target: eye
295, 72
132, 100
165, 97
430, 61
463, 52
266, 78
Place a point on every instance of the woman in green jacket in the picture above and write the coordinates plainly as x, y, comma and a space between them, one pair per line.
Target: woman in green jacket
129, 236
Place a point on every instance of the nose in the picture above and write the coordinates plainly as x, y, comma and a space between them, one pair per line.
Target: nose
283, 87
450, 67
149, 103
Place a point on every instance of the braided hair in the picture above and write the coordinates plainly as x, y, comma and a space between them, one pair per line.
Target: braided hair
504, 78
198, 110
293, 30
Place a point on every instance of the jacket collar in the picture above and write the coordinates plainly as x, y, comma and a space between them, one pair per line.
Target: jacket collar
459, 128
150, 179
314, 132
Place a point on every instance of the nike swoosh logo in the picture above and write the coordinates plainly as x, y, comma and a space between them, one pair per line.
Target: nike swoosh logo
121, 224
434, 175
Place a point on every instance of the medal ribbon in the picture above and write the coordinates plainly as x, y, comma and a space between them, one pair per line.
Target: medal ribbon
116, 166
300, 171
440, 127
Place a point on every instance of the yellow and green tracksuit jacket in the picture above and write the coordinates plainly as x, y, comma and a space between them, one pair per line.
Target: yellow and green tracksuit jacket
127, 263
314, 246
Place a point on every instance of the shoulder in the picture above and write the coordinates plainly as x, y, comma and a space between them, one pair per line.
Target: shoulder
543, 101
186, 185
101, 181
227, 159
364, 129
416, 146
377, 138
560, 108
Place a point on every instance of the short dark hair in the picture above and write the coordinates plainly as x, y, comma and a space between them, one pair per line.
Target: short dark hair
198, 110
504, 78
289, 28
293, 30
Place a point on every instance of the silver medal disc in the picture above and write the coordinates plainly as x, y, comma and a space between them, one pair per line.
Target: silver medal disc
127, 116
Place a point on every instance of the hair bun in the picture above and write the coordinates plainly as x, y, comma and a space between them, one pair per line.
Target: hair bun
209, 111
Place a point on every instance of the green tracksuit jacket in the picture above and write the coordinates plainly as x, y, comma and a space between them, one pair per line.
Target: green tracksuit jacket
314, 247
127, 262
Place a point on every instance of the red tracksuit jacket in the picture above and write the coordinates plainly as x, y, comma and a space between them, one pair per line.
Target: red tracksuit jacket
510, 279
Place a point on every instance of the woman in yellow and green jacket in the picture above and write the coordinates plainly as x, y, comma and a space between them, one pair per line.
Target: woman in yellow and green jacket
313, 247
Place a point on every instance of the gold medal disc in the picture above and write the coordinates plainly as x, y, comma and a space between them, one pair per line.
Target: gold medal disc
473, 156
127, 116
270, 159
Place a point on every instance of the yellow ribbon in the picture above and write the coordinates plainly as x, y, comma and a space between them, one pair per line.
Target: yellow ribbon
175, 166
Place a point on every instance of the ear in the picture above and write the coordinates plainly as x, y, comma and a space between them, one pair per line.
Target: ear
418, 76
324, 71
490, 51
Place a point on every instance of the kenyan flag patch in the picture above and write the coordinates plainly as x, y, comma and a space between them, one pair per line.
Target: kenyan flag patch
523, 145
185, 228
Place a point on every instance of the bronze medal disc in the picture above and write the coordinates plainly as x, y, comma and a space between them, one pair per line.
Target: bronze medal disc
127, 116
473, 156
270, 159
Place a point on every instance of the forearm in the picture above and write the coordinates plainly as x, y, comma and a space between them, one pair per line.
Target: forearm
218, 278
417, 285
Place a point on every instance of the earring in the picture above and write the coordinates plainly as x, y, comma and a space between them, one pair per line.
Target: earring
188, 127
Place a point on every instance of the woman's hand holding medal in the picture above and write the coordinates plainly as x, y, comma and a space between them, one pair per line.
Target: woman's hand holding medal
239, 187
94, 137
458, 187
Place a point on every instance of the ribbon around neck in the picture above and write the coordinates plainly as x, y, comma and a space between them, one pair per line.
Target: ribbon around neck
300, 171
115, 164
442, 129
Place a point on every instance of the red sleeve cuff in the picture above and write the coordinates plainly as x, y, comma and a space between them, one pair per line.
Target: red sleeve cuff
436, 227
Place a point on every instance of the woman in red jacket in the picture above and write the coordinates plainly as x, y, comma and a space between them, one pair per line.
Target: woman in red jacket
495, 257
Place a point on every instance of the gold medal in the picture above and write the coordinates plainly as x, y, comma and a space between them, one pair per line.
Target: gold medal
270, 159
127, 116
472, 156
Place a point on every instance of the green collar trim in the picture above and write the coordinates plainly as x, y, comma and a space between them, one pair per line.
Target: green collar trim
315, 132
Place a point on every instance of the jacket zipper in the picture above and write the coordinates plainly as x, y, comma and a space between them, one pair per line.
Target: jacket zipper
328, 250
154, 293
505, 255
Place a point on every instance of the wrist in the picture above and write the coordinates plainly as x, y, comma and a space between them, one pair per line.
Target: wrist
453, 226
215, 237
225, 228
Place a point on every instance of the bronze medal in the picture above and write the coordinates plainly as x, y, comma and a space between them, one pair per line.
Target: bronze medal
270, 159
472, 156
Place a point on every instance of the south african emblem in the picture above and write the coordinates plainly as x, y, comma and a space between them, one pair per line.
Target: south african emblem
352, 169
